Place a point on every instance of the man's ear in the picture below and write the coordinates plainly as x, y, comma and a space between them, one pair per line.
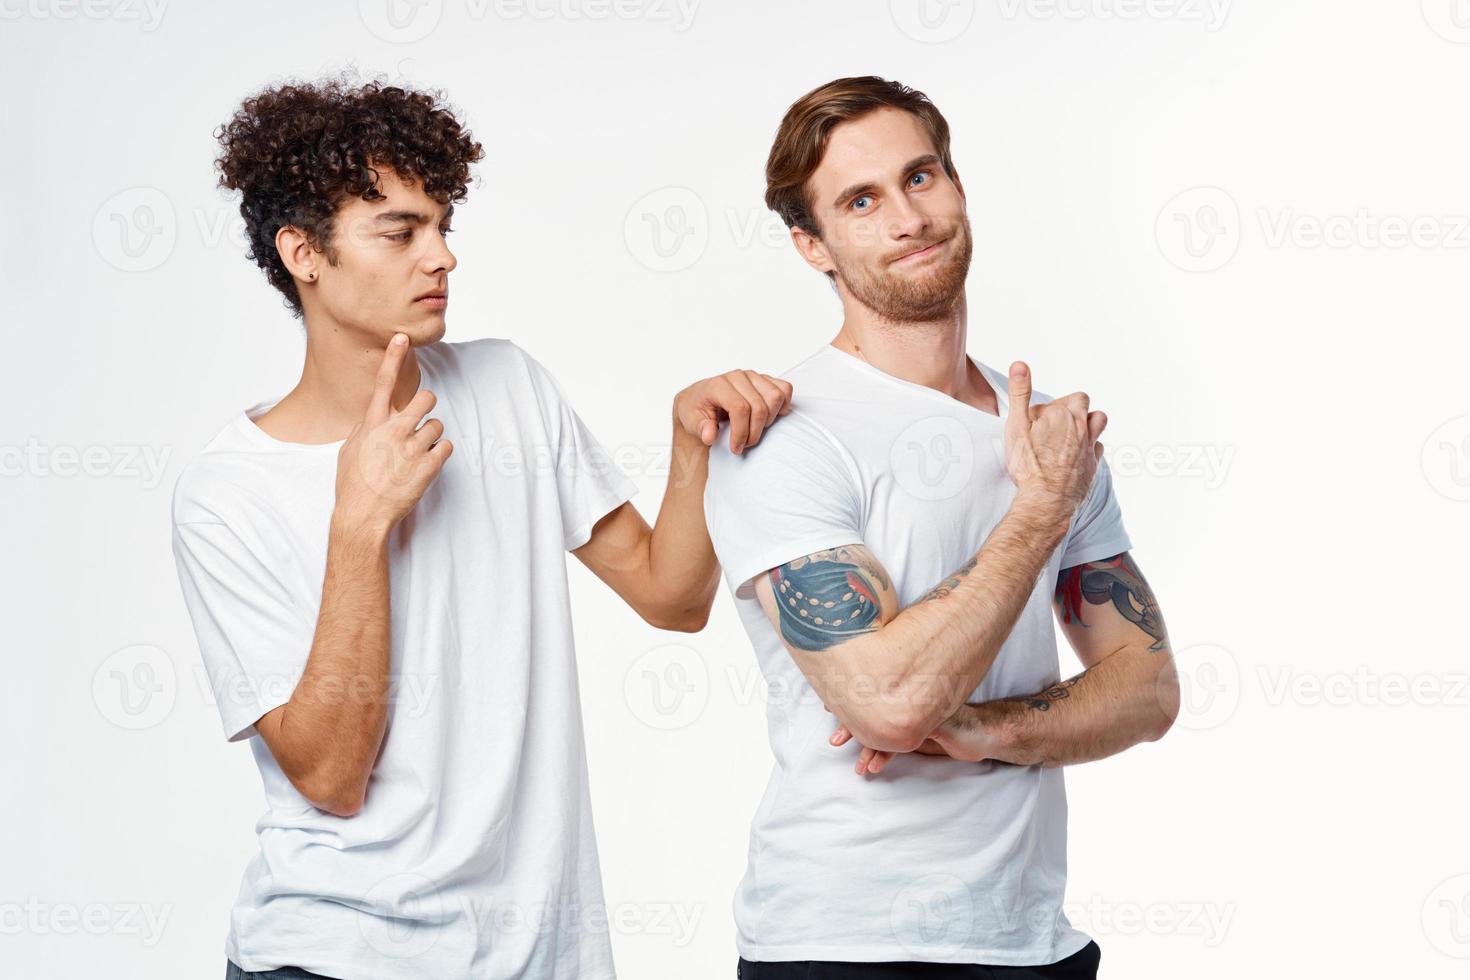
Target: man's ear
296, 252
811, 248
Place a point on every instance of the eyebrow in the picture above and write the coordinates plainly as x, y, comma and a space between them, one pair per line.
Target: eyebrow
867, 186
416, 217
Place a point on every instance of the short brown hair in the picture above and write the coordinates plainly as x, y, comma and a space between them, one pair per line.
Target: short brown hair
802, 139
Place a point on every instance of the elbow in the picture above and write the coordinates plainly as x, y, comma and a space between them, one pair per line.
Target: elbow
679, 618
1166, 690
336, 799
892, 730
679, 621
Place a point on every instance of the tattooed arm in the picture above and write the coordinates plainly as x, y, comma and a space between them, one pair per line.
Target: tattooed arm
1128, 694
891, 677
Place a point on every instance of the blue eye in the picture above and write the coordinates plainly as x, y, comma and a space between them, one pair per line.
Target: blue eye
857, 201
922, 177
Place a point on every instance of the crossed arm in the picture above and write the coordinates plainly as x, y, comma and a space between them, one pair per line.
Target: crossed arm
897, 681
1128, 693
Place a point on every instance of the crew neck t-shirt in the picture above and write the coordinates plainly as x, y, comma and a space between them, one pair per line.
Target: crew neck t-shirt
934, 859
473, 854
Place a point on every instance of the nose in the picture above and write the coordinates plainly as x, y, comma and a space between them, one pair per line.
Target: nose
906, 220
439, 258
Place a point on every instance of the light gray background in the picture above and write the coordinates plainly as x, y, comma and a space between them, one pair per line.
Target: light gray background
1242, 227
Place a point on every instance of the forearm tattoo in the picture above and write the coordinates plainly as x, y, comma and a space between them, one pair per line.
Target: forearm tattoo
828, 597
948, 585
1116, 580
1057, 692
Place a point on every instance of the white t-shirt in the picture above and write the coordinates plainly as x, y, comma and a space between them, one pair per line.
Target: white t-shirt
934, 859
474, 853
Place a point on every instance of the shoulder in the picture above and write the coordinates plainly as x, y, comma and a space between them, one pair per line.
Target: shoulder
479, 357
207, 486
795, 443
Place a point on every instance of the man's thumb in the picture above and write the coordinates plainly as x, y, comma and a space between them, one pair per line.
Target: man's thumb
1020, 392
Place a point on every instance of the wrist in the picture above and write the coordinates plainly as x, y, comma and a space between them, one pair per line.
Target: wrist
1045, 512
352, 530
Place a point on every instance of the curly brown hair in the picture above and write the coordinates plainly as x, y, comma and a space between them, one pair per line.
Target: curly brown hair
298, 150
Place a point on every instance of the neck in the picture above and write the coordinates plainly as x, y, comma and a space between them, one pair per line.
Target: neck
337, 379
930, 353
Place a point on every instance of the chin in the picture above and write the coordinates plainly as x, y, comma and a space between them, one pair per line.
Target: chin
428, 332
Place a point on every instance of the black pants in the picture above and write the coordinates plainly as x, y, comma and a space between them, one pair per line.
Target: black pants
233, 972
1081, 965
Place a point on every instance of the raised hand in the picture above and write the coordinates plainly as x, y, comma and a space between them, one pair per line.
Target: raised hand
1051, 450
389, 460
749, 399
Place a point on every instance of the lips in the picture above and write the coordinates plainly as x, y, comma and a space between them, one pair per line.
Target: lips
924, 252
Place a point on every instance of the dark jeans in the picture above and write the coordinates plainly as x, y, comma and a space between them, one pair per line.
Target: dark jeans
233, 972
1081, 965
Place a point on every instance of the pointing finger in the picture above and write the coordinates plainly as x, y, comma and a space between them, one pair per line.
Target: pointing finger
380, 404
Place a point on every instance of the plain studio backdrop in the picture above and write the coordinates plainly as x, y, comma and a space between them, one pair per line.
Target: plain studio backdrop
1242, 227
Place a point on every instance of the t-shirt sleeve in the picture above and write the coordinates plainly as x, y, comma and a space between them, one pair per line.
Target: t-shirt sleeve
791, 494
589, 484
253, 639
1097, 528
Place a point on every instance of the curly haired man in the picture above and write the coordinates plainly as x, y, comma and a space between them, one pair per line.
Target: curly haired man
381, 596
